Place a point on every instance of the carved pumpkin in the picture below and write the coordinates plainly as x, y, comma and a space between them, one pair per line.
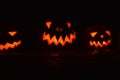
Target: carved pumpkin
58, 33
98, 36
9, 38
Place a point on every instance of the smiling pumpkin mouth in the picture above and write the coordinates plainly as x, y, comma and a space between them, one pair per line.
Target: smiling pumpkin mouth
59, 40
10, 45
100, 44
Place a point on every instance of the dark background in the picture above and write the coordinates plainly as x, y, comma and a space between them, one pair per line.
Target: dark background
32, 60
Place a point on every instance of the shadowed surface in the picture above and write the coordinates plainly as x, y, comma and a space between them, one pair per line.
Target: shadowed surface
57, 62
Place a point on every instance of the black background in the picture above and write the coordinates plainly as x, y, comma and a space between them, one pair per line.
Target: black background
32, 61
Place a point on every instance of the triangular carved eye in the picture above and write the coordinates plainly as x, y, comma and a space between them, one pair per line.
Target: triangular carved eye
108, 32
93, 34
68, 24
48, 23
12, 33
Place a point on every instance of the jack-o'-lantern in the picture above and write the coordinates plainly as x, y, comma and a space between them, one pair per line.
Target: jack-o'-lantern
98, 37
59, 33
9, 38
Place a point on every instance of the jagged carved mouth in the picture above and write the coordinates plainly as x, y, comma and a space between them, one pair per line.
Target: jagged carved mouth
59, 40
10, 45
100, 44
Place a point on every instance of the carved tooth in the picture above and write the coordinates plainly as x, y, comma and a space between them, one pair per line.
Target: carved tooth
59, 40
1, 47
8, 45
104, 43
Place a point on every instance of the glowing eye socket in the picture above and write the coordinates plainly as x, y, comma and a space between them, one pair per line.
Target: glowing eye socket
93, 34
48, 23
68, 24
12, 33
108, 32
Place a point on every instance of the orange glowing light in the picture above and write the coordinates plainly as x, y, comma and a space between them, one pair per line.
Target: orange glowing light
12, 33
108, 32
98, 44
93, 34
102, 36
59, 40
48, 24
59, 29
68, 24
9, 45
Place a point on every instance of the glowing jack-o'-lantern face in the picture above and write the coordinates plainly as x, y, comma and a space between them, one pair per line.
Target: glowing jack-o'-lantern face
100, 43
9, 40
59, 33
100, 37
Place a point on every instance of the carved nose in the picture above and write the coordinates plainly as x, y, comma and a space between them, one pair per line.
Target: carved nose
102, 36
59, 29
